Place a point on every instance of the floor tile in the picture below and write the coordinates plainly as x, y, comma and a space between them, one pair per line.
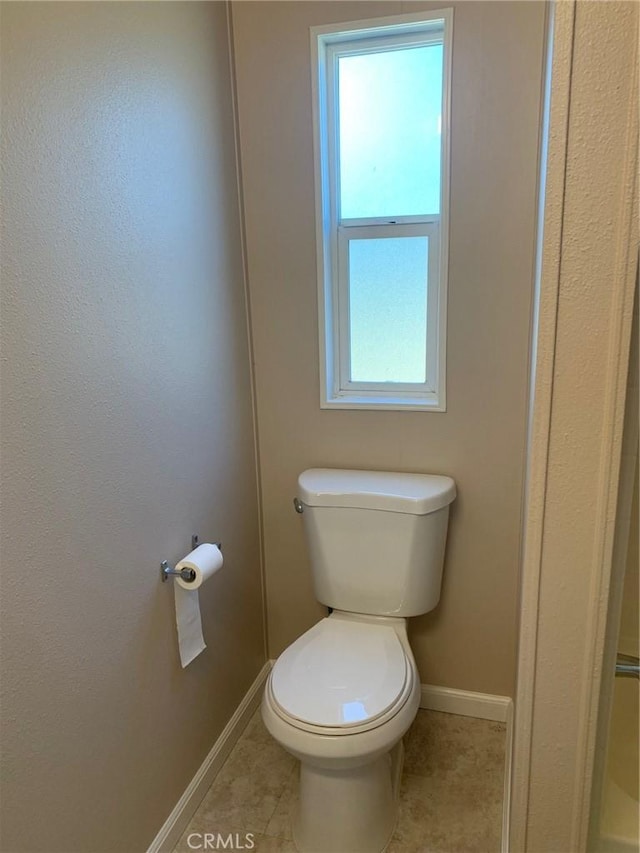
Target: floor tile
245, 793
457, 815
256, 731
269, 844
439, 743
280, 823
450, 797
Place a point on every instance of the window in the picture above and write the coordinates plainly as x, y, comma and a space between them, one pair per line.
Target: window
381, 121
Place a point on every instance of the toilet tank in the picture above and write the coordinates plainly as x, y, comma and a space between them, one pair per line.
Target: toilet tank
376, 539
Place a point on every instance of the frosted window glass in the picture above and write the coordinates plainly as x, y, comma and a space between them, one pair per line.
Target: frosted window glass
390, 106
388, 309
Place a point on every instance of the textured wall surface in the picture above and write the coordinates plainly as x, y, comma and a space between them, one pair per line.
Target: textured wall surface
126, 416
469, 641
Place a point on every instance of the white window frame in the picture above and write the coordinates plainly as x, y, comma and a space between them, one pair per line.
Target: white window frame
333, 233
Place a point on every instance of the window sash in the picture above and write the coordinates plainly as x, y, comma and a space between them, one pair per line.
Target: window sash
343, 385
359, 47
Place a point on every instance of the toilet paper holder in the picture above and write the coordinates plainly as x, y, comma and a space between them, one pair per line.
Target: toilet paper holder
186, 574
166, 572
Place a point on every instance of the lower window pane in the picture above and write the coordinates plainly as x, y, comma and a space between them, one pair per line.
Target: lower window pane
388, 309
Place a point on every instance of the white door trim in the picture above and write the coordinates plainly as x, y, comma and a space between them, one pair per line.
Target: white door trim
550, 214
586, 277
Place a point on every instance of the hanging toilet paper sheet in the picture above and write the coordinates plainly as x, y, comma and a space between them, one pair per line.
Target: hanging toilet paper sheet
205, 561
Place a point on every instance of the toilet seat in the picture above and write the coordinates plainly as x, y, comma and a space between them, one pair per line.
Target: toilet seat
343, 676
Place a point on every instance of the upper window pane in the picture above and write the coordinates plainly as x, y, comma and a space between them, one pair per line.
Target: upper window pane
390, 107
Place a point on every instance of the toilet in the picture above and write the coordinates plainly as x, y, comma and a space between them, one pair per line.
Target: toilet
341, 697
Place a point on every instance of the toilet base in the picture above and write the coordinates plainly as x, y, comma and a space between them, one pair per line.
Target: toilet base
351, 810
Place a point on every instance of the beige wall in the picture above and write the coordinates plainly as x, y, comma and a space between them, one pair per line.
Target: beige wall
126, 415
469, 641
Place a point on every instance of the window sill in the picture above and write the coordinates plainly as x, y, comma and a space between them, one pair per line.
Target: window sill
373, 402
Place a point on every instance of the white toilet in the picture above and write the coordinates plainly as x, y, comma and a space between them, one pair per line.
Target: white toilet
342, 696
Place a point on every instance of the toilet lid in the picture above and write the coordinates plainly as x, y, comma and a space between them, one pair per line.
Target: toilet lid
341, 673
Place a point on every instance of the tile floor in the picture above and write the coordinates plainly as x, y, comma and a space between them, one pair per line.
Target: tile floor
450, 797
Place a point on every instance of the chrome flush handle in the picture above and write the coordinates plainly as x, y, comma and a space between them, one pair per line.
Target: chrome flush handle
298, 506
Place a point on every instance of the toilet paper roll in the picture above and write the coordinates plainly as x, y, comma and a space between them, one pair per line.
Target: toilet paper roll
205, 561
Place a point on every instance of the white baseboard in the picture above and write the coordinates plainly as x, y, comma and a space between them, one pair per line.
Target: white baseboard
178, 820
485, 706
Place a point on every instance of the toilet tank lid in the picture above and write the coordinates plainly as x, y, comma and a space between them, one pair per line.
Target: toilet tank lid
415, 494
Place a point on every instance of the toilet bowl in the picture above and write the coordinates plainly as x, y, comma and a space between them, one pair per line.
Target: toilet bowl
340, 699
341, 696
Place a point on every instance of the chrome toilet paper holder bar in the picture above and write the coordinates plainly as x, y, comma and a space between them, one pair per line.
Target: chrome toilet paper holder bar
186, 574
166, 572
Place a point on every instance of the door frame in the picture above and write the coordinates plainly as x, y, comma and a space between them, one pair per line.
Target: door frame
586, 270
